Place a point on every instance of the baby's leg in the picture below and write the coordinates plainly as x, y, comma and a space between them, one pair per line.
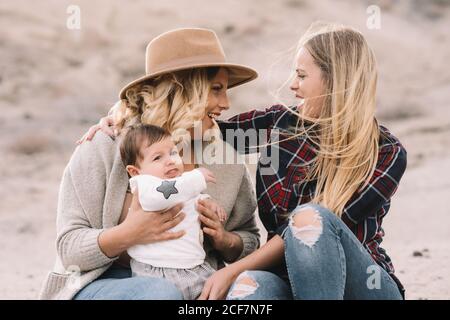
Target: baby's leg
190, 281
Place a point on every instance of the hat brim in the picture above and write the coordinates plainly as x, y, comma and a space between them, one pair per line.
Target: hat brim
237, 75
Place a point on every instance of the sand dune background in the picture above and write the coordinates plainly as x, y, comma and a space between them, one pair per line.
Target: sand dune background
56, 82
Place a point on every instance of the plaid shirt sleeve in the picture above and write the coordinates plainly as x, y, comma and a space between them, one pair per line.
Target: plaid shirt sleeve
238, 127
389, 170
391, 165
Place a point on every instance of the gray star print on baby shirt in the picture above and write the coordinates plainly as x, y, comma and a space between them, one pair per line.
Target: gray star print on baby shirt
167, 188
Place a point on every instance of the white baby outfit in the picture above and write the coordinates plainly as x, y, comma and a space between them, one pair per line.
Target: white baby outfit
182, 260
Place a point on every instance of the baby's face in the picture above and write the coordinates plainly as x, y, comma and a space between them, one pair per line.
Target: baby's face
161, 160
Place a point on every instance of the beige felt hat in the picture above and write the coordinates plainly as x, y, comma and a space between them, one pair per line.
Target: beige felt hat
188, 48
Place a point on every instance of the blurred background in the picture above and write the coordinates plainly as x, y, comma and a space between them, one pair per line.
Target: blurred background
57, 80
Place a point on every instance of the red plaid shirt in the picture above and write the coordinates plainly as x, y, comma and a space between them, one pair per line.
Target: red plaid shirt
285, 188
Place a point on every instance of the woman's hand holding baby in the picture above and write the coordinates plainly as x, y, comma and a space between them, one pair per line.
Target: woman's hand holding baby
229, 244
141, 227
146, 227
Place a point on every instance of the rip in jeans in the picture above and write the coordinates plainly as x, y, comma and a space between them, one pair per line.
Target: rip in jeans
245, 286
306, 226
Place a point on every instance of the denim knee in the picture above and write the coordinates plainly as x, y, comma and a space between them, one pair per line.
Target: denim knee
309, 221
325, 214
258, 285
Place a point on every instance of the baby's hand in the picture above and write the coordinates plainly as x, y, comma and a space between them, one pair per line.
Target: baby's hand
217, 209
209, 176
222, 214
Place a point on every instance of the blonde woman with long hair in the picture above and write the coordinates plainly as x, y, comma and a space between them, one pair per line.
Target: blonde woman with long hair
323, 199
337, 171
98, 219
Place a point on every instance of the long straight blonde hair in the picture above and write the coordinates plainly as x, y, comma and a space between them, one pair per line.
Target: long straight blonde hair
345, 135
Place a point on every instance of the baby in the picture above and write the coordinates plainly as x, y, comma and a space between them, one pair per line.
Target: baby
157, 173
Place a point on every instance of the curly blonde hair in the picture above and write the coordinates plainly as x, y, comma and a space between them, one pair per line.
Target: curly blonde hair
175, 101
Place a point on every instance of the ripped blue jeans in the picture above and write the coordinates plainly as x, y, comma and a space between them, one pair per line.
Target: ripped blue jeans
324, 260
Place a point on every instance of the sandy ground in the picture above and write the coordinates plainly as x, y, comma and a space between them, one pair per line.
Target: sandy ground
56, 82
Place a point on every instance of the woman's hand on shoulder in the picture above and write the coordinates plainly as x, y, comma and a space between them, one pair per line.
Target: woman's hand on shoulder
106, 124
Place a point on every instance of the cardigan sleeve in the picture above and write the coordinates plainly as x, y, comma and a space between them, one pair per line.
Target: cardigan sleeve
245, 207
77, 231
391, 165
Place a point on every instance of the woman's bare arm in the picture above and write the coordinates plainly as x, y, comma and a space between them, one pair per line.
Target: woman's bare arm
269, 255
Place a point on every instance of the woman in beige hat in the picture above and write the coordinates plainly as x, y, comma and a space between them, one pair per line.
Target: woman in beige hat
183, 90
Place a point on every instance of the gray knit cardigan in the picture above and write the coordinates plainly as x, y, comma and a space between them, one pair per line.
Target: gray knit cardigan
91, 198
